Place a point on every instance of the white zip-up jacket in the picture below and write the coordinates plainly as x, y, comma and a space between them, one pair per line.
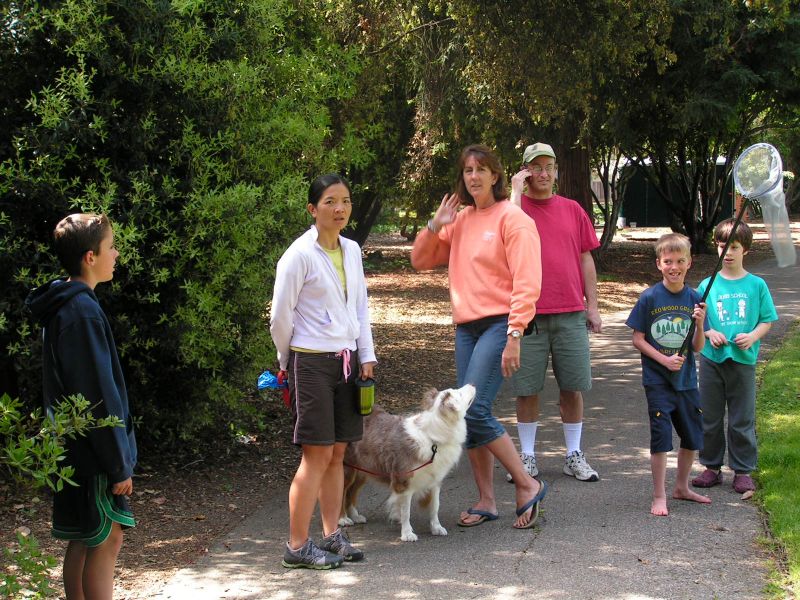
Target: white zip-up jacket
309, 309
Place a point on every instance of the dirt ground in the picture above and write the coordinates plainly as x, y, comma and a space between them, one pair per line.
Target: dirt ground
182, 509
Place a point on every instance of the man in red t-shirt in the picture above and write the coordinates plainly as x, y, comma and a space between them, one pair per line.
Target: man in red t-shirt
565, 310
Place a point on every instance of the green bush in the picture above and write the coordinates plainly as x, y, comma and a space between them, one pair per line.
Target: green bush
30, 575
195, 126
32, 452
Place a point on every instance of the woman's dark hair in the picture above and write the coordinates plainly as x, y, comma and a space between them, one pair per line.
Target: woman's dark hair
487, 158
322, 183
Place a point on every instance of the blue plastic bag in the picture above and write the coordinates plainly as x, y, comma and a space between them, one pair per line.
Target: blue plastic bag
268, 380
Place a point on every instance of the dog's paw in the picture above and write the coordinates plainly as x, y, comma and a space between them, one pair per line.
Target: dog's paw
409, 537
345, 522
438, 530
358, 519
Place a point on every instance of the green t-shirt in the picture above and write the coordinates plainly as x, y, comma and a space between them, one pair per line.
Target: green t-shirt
737, 306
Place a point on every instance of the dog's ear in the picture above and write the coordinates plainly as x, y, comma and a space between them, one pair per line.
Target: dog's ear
429, 398
448, 401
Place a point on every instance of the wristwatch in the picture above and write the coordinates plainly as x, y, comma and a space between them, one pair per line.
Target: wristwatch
515, 333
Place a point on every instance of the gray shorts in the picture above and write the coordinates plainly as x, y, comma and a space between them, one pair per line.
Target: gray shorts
565, 337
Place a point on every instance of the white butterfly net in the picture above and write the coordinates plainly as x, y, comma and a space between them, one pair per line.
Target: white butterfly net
758, 175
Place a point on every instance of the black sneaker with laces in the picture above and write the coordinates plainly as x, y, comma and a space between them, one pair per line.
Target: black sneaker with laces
310, 556
338, 543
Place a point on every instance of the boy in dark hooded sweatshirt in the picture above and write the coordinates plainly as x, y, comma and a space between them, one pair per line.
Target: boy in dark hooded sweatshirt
79, 357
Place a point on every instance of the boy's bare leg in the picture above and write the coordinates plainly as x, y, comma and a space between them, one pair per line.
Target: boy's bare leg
98, 570
658, 467
682, 491
74, 559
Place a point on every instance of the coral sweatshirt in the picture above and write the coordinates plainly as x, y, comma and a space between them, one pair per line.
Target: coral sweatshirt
494, 263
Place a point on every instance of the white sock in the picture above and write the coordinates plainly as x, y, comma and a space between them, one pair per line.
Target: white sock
572, 436
527, 436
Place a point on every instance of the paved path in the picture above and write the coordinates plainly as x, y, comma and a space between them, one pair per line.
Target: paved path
595, 540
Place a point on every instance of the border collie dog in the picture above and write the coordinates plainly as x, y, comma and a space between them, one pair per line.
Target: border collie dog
412, 455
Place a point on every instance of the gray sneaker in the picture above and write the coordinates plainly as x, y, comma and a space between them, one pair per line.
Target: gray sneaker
529, 462
338, 543
575, 465
310, 556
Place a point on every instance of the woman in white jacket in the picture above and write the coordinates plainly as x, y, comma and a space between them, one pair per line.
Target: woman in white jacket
321, 329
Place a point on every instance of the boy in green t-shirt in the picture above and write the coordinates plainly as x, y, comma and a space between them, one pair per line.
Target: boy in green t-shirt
740, 313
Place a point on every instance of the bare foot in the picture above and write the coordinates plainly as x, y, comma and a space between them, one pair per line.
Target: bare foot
659, 507
691, 496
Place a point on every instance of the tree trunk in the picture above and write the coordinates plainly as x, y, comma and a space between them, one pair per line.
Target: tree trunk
365, 214
574, 174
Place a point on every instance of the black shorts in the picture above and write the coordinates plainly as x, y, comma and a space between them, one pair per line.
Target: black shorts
324, 405
86, 513
679, 409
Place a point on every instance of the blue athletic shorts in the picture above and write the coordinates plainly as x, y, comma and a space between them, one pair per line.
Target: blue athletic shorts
679, 409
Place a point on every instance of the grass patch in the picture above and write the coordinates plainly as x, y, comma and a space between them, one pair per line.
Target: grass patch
778, 421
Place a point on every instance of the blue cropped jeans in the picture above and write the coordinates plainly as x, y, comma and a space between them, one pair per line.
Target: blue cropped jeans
479, 350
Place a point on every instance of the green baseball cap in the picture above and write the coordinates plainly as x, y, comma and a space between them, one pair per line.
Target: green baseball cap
537, 149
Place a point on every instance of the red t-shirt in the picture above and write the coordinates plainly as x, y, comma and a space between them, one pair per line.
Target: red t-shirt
565, 232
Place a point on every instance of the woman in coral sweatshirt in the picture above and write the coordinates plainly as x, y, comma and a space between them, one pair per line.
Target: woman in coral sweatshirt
493, 255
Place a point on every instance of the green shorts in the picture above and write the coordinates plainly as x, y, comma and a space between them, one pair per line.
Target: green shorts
565, 337
87, 512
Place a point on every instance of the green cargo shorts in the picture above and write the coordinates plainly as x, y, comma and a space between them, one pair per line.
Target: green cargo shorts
565, 337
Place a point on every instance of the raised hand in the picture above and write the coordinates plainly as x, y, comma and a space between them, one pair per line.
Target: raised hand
518, 180
447, 211
699, 314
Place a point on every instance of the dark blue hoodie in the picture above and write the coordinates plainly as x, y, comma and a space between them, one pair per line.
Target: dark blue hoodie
79, 357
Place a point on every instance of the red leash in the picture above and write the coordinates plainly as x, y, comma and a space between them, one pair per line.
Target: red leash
373, 473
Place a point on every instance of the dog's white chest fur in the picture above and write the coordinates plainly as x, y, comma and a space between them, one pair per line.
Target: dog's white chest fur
394, 449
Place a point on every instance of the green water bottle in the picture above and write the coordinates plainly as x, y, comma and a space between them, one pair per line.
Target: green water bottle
365, 395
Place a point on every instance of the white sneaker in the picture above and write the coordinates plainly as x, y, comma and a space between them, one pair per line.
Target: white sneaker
529, 462
575, 465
